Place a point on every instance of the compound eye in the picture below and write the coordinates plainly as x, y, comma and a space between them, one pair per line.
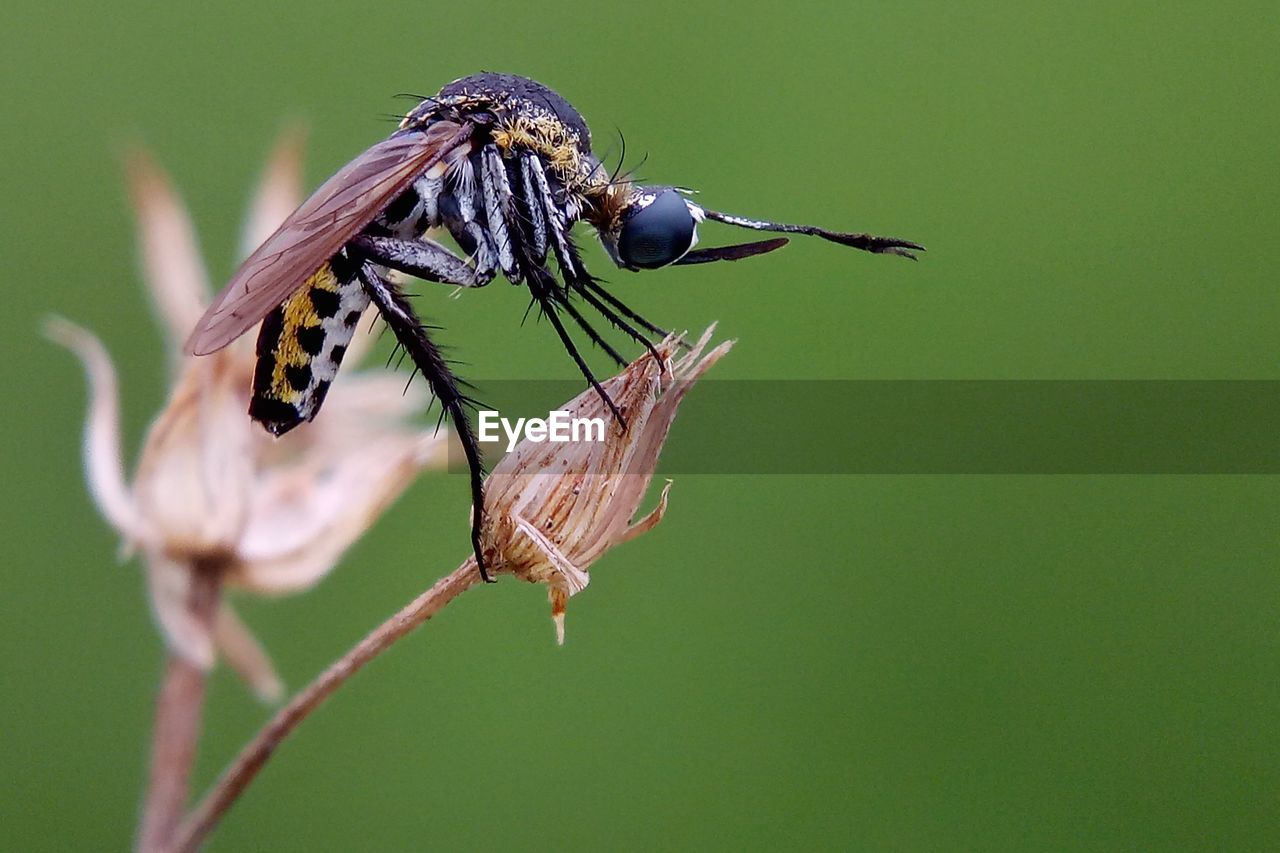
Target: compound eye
657, 234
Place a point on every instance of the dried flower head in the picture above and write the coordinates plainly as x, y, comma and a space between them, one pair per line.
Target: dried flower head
212, 491
556, 508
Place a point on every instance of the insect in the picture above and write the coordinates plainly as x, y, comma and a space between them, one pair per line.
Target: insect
505, 166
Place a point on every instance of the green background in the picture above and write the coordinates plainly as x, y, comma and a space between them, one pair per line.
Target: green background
800, 662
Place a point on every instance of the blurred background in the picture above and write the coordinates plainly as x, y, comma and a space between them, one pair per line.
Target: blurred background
892, 662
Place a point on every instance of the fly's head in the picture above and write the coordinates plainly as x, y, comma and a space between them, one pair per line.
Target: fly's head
654, 227
648, 227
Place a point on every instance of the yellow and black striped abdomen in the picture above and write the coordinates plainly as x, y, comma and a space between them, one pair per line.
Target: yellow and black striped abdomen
301, 344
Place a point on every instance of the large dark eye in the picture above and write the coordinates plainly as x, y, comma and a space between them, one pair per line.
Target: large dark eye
657, 234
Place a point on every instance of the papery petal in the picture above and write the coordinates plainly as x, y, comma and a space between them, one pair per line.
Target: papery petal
650, 521
169, 582
304, 517
226, 436
575, 579
675, 383
279, 191
103, 468
171, 262
242, 651
195, 475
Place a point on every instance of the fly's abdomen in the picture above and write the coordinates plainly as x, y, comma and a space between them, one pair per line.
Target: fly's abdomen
301, 345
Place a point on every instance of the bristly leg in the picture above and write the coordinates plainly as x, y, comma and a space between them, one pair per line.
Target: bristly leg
616, 321
542, 286
533, 230
494, 188
562, 298
539, 197
590, 288
422, 258
583, 283
556, 222
411, 334
529, 240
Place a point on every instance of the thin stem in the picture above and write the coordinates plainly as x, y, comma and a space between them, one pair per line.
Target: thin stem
177, 725
202, 820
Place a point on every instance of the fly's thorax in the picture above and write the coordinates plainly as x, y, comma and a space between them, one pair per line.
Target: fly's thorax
519, 115
510, 104
560, 147
508, 97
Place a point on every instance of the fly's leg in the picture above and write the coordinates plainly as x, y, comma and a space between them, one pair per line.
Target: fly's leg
557, 222
574, 271
543, 288
535, 234
586, 287
423, 258
591, 285
433, 262
530, 246
494, 189
411, 334
461, 211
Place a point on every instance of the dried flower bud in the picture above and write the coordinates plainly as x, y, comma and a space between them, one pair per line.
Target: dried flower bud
554, 508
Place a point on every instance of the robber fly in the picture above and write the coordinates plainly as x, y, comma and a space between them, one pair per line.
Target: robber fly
504, 165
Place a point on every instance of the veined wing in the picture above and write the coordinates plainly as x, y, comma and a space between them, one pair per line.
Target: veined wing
314, 232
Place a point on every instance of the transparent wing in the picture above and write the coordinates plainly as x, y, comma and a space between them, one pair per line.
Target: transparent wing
314, 232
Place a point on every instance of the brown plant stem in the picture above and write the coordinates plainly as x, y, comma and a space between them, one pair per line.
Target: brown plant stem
242, 771
177, 725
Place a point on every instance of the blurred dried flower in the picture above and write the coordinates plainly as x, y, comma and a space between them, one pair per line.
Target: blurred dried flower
556, 508
213, 492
